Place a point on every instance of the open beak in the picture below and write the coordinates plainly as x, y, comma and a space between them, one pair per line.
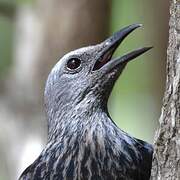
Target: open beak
104, 62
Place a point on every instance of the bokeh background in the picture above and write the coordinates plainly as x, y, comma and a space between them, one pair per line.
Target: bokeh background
34, 34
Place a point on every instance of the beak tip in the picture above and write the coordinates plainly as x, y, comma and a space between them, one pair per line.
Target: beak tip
136, 25
119, 36
148, 48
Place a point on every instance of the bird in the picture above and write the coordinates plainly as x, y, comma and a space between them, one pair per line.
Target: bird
84, 143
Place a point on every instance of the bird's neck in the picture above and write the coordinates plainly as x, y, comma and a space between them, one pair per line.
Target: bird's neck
74, 119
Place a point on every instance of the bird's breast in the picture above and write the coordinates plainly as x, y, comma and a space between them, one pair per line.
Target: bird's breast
93, 154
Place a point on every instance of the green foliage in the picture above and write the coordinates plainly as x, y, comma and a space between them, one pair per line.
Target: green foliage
25, 1
7, 13
16, 2
6, 29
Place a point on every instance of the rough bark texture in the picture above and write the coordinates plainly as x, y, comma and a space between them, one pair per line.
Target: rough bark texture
166, 160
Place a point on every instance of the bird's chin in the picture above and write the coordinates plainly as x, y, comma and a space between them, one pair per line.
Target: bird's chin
111, 75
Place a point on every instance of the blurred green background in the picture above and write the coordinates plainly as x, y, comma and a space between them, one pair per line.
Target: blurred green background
136, 99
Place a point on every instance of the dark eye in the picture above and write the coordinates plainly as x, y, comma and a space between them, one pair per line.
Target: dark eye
73, 63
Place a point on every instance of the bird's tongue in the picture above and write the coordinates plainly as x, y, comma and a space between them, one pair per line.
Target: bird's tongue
105, 58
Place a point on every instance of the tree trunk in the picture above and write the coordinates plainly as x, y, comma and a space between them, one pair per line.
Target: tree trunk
166, 159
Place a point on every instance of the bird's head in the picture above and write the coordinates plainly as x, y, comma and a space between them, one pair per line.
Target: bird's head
86, 76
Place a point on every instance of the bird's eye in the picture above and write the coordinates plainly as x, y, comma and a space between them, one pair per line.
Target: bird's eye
73, 63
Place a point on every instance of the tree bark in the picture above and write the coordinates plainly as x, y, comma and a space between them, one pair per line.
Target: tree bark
166, 159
